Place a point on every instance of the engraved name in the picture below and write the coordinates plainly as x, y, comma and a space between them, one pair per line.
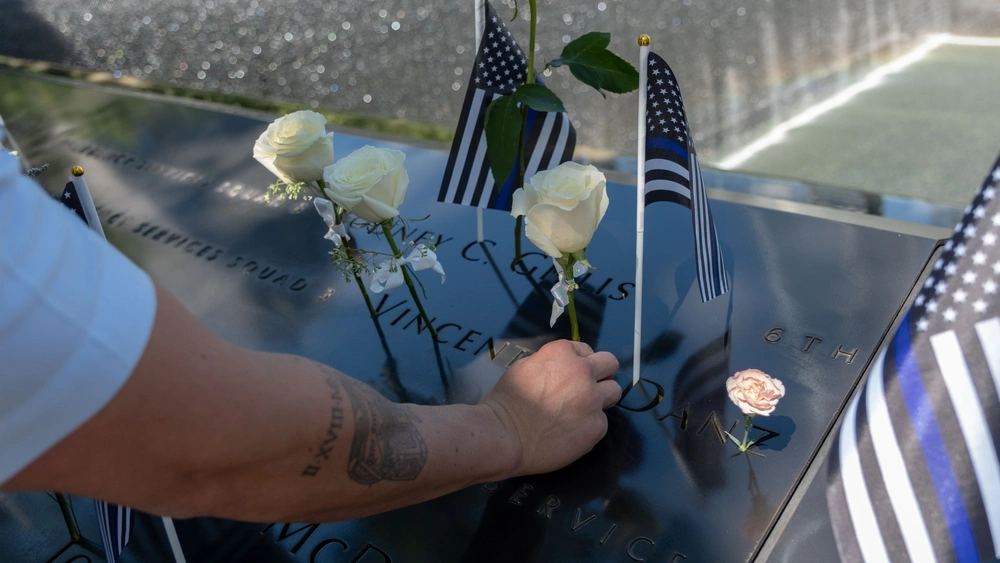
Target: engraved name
546, 505
327, 548
201, 249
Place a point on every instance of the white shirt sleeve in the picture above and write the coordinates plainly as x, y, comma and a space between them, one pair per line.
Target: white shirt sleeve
75, 316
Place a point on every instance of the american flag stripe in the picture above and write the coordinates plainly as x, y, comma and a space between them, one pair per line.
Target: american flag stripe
966, 514
667, 175
848, 545
890, 460
116, 528
471, 143
667, 193
989, 335
448, 186
549, 137
539, 126
919, 474
974, 429
661, 168
937, 423
715, 280
479, 171
892, 537
977, 351
859, 504
562, 150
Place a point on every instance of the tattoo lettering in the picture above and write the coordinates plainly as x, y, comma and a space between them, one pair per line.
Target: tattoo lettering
335, 425
387, 445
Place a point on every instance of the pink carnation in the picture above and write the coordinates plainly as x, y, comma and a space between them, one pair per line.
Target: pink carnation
754, 392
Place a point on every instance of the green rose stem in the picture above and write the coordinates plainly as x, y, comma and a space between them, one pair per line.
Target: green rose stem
357, 277
517, 241
67, 513
337, 212
406, 276
568, 272
519, 222
364, 293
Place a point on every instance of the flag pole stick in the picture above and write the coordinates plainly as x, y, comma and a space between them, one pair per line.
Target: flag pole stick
640, 207
480, 28
86, 201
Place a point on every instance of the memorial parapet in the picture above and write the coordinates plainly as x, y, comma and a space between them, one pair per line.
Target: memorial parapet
178, 192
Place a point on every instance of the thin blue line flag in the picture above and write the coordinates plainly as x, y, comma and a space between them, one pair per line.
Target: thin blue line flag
914, 473
674, 175
550, 139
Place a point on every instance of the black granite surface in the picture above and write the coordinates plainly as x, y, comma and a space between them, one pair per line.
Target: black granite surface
179, 193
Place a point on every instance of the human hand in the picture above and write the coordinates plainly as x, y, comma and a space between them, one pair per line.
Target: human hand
554, 401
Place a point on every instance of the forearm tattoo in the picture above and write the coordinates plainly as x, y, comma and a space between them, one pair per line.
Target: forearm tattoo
333, 428
387, 445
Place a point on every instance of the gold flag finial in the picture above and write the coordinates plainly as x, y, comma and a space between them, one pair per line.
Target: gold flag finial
77, 171
644, 40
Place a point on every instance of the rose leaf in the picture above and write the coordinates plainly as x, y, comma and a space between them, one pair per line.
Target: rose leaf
592, 63
538, 97
503, 135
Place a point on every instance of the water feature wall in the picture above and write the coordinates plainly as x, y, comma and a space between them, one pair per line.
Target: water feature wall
743, 65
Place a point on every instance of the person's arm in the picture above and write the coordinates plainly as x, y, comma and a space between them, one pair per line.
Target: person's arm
206, 428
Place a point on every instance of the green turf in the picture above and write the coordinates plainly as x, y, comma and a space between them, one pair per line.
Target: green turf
929, 132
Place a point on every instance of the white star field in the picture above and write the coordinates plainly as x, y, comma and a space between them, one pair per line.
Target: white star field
964, 283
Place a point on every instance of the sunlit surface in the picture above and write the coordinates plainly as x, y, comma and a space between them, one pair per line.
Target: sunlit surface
924, 125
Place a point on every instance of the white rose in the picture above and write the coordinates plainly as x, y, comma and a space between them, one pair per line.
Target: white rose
296, 147
370, 182
562, 207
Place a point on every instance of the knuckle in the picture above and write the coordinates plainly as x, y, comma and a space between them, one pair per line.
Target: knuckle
602, 426
556, 347
610, 358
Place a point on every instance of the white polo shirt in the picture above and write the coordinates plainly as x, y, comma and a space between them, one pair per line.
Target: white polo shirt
75, 315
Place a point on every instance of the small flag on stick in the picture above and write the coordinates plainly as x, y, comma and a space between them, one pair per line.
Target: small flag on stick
500, 67
76, 196
115, 521
914, 471
671, 172
668, 170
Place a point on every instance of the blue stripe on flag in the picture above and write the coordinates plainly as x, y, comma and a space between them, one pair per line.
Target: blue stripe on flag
508, 186
932, 444
666, 144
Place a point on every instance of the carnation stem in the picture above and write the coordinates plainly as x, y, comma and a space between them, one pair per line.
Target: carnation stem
747, 421
74, 531
406, 276
574, 327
